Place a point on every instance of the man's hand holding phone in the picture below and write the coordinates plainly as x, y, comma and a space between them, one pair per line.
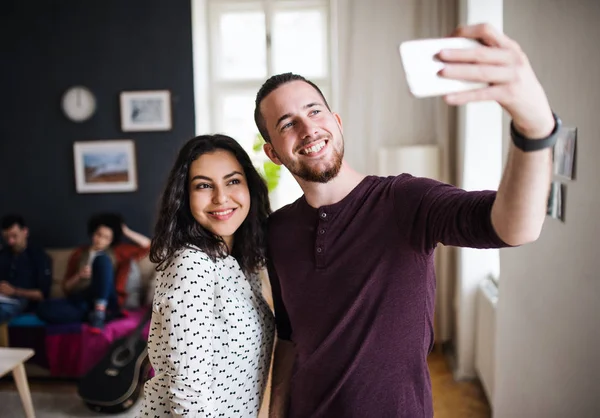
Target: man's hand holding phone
422, 66
479, 63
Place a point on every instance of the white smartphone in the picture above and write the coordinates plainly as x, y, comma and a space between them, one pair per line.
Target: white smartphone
421, 66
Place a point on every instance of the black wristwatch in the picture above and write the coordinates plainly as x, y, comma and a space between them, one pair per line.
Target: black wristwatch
529, 144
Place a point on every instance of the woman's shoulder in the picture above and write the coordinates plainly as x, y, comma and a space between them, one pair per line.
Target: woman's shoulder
189, 270
191, 255
192, 251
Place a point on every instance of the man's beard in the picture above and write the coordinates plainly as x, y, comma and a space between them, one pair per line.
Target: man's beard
313, 175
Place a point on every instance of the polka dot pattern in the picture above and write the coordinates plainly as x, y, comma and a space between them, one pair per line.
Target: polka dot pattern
210, 340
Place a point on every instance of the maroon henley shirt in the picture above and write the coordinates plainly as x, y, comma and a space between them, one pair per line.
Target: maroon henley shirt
354, 289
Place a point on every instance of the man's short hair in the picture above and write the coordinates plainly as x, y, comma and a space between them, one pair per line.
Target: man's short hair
8, 221
269, 86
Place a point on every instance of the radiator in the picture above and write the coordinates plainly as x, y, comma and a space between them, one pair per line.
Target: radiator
485, 340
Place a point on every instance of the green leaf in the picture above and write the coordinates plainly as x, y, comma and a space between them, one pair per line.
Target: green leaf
270, 171
272, 174
258, 143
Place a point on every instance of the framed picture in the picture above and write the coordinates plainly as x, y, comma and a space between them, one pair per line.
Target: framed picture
556, 200
564, 153
145, 111
105, 166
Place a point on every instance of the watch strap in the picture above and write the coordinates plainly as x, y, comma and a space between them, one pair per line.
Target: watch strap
529, 144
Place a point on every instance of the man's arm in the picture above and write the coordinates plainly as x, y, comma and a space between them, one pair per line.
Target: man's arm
44, 275
17, 292
31, 294
42, 265
283, 364
284, 354
519, 210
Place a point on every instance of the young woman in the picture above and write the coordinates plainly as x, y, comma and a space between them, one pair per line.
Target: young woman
96, 274
211, 332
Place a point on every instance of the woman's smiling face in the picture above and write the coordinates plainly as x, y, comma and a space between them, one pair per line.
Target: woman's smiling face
219, 194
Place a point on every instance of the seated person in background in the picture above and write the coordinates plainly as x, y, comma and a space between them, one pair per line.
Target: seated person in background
96, 274
25, 271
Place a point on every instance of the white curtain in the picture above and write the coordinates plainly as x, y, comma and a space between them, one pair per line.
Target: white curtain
378, 111
438, 18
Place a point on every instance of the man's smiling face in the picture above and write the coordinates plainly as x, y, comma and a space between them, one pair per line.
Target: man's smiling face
306, 137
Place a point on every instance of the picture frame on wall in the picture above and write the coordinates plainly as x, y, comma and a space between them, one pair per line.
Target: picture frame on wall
145, 111
105, 166
556, 198
565, 153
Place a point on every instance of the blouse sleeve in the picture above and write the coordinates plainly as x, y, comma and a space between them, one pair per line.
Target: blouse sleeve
188, 322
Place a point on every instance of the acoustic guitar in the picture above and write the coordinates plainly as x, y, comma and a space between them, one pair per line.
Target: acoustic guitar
114, 384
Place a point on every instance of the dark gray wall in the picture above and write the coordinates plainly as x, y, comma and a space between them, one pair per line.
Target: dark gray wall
109, 46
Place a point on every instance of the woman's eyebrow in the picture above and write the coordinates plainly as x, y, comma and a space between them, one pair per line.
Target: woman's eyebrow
226, 176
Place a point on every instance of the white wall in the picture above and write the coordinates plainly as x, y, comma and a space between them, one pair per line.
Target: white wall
548, 341
485, 341
376, 107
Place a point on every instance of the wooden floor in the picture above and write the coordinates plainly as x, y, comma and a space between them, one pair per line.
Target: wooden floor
453, 399
450, 399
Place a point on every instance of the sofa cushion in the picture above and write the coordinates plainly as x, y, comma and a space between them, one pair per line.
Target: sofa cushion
73, 349
60, 259
26, 320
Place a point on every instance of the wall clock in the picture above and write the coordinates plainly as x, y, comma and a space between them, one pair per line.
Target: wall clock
78, 103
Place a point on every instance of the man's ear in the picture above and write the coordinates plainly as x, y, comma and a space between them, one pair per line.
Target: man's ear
270, 151
338, 119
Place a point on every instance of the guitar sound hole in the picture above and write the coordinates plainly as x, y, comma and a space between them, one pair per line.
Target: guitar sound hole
122, 357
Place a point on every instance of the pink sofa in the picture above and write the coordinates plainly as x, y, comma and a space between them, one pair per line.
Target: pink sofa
70, 350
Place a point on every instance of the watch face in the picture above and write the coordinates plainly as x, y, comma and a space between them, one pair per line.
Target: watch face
78, 103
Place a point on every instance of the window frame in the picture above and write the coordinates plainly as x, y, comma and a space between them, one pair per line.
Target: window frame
218, 88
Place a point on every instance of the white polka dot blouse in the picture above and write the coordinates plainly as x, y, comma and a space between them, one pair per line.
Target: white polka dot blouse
210, 340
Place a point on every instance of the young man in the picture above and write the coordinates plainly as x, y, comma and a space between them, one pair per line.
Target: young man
351, 262
25, 271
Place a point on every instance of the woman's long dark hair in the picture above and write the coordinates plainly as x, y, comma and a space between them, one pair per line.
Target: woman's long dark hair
176, 228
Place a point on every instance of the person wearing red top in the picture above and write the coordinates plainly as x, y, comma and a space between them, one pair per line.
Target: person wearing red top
96, 276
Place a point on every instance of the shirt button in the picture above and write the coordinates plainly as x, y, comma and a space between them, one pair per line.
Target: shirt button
321, 231
323, 215
319, 249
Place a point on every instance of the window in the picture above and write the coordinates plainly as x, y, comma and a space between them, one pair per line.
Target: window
249, 41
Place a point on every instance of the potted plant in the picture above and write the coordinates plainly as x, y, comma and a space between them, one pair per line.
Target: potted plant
270, 171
